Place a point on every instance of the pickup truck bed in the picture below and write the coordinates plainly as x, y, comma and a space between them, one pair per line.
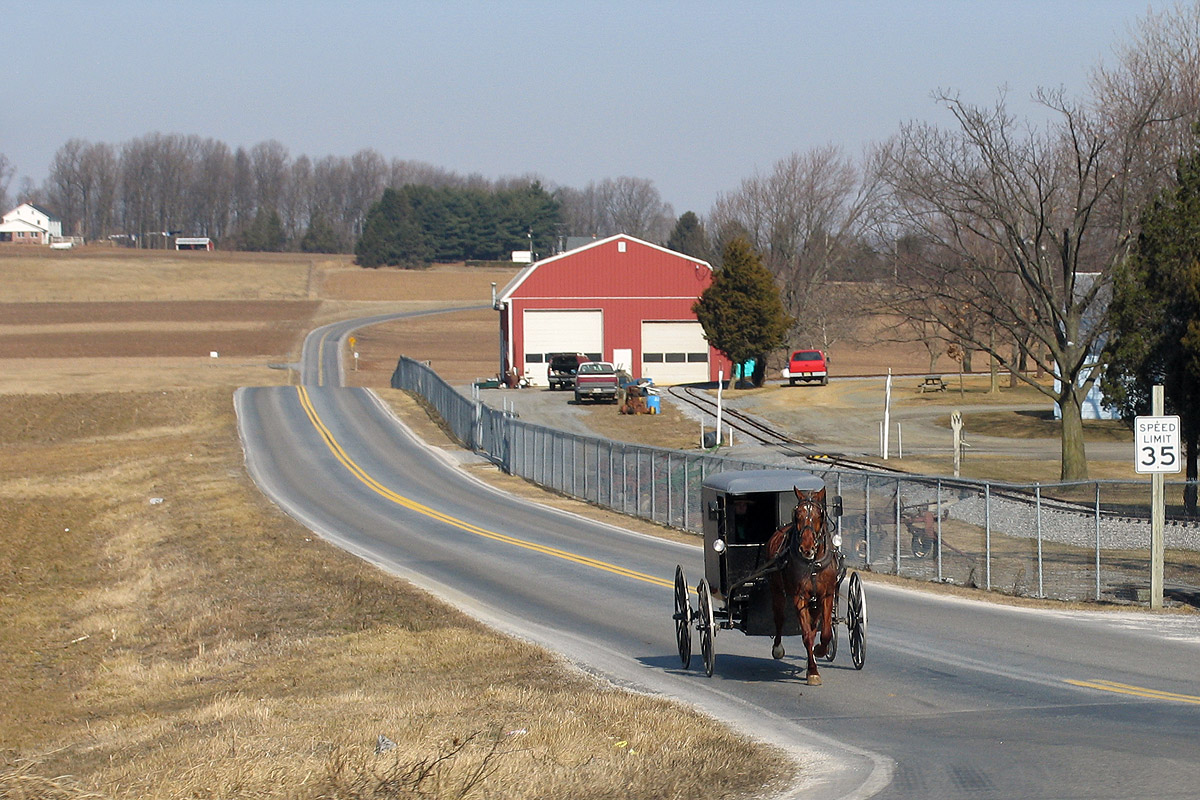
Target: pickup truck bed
596, 380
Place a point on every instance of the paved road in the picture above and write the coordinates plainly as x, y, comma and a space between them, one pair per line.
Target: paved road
958, 699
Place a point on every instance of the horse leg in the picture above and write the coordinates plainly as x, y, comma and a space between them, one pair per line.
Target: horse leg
824, 618
778, 609
808, 632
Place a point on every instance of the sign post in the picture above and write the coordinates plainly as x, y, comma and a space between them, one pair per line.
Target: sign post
1156, 451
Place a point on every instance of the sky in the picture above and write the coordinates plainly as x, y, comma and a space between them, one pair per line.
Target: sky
696, 97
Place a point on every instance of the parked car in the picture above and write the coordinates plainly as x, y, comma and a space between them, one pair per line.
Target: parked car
596, 380
807, 365
563, 367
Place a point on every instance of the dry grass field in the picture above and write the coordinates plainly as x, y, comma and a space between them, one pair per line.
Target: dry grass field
166, 632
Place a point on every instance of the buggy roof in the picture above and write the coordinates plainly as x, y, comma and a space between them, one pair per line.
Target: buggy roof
763, 480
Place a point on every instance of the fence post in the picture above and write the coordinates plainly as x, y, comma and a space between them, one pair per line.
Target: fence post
1037, 489
1097, 518
987, 534
867, 518
939, 530
896, 566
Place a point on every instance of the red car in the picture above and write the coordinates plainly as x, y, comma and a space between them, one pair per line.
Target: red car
807, 365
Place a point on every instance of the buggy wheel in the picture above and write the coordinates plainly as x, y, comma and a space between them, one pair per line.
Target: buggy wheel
856, 621
707, 629
683, 619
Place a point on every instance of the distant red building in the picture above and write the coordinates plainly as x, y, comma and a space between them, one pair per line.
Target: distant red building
617, 299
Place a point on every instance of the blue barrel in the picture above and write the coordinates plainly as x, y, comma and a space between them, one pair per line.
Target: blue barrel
654, 403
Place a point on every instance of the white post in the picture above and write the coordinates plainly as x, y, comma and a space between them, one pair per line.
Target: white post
1158, 514
899, 442
720, 380
887, 412
956, 425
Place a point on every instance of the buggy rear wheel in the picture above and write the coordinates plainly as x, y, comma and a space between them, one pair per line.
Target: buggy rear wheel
683, 619
856, 621
707, 628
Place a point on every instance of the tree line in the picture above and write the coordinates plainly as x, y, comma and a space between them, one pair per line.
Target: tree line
262, 198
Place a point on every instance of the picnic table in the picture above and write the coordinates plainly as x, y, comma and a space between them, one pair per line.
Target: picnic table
932, 383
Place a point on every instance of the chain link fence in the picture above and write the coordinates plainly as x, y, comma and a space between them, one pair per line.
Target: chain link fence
1068, 541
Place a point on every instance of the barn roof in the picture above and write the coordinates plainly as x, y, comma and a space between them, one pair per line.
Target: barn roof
520, 278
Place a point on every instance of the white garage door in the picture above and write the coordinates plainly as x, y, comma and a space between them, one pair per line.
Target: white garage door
549, 332
674, 352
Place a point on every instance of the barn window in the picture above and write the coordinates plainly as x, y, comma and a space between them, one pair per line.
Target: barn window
533, 358
652, 358
676, 358
697, 358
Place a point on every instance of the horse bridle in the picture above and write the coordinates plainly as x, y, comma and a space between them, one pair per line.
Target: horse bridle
819, 533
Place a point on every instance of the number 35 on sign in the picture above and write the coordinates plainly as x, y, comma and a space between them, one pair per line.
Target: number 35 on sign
1156, 444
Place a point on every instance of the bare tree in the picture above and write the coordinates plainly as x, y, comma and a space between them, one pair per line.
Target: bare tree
269, 161
808, 217
296, 203
65, 186
617, 205
6, 175
1026, 226
212, 189
368, 178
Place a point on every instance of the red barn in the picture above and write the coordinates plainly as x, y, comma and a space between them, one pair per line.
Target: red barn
617, 299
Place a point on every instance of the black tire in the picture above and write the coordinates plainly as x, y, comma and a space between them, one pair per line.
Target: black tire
706, 627
825, 381
683, 619
856, 621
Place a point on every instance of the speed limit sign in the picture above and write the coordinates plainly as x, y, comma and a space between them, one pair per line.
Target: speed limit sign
1156, 444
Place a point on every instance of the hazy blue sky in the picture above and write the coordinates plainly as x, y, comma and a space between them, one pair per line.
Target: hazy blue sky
693, 96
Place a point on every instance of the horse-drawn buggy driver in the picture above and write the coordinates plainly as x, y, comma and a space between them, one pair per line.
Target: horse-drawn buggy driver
771, 543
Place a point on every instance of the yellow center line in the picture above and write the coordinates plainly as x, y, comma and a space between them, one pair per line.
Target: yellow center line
383, 491
1136, 691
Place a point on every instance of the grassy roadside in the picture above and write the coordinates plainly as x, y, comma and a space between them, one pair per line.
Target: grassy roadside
166, 632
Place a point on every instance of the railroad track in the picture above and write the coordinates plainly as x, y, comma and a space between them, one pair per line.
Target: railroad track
749, 427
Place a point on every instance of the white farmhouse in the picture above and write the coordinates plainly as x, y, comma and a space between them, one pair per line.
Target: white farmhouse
30, 224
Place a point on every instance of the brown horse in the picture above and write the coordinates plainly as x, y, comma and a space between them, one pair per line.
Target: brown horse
807, 572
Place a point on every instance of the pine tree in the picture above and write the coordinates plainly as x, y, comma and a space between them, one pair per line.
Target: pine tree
689, 237
391, 235
1155, 315
741, 311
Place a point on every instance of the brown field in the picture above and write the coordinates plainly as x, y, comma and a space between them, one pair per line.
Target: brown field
166, 632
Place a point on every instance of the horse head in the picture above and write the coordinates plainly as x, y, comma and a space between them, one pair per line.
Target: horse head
808, 518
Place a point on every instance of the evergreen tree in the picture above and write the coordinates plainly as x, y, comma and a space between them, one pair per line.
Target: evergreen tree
741, 311
1155, 315
321, 237
689, 237
392, 235
265, 234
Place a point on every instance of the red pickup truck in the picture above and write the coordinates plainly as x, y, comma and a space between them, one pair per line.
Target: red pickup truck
807, 365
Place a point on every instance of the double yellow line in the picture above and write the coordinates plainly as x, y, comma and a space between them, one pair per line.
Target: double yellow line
340, 454
1136, 691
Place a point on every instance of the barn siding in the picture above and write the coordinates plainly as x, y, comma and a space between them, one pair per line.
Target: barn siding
643, 283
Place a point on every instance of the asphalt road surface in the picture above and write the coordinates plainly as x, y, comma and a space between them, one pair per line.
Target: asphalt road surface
958, 698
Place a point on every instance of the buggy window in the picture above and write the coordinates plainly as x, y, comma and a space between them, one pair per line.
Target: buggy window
752, 518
